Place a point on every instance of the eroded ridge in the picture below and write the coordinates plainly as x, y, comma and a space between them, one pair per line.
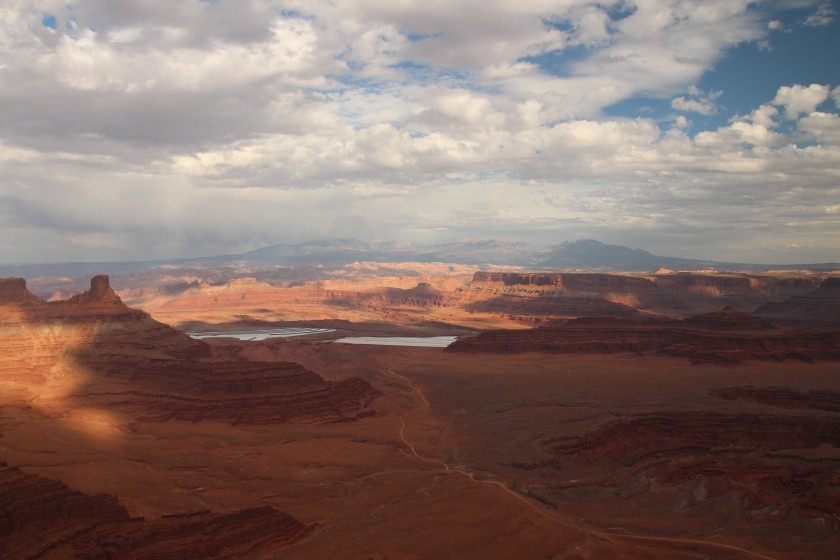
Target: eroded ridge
724, 336
95, 350
782, 397
779, 469
41, 518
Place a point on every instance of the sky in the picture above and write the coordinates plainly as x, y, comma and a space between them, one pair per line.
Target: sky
152, 129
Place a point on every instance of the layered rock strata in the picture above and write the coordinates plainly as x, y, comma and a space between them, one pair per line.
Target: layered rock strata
776, 468
724, 336
120, 357
818, 307
782, 397
41, 518
568, 295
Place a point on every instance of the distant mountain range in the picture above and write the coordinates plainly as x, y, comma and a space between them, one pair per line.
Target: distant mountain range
586, 254
568, 256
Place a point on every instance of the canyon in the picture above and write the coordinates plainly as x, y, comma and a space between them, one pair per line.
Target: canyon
726, 336
578, 415
479, 300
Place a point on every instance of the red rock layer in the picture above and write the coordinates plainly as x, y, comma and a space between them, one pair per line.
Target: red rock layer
773, 466
782, 397
545, 295
237, 393
628, 441
42, 518
726, 336
818, 307
13, 290
422, 295
612, 295
156, 371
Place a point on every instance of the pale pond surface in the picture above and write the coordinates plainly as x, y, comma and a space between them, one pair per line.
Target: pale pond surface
260, 334
263, 334
424, 341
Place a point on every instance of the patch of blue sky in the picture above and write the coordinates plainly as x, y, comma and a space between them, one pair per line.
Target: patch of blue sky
290, 13
645, 107
419, 37
424, 74
49, 21
620, 11
418, 72
559, 62
751, 73
564, 25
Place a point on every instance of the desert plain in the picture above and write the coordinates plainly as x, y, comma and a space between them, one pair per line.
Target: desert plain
577, 416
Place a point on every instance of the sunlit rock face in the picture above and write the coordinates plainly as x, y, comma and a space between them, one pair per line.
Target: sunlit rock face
94, 348
545, 295
555, 295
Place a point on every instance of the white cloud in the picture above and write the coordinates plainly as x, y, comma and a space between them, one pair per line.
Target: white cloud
156, 129
823, 15
799, 99
697, 102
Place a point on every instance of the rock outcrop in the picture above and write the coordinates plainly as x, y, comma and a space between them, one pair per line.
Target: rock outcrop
776, 467
120, 357
820, 307
13, 290
569, 295
43, 518
726, 336
782, 397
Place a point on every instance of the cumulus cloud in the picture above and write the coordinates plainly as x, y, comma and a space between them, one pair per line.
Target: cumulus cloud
139, 130
799, 99
697, 102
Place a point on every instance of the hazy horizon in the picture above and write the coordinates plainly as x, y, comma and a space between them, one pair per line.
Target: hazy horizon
405, 245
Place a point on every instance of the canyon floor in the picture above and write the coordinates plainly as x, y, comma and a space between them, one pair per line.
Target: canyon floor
453, 455
433, 474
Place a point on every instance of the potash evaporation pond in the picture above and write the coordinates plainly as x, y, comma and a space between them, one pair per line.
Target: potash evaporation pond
424, 341
260, 334
263, 334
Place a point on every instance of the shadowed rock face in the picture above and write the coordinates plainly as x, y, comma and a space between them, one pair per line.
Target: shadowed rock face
13, 290
728, 319
725, 336
818, 307
628, 441
43, 518
761, 460
782, 397
125, 359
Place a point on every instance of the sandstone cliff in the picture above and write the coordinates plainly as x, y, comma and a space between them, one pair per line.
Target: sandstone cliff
41, 518
94, 349
817, 307
568, 295
776, 468
725, 336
